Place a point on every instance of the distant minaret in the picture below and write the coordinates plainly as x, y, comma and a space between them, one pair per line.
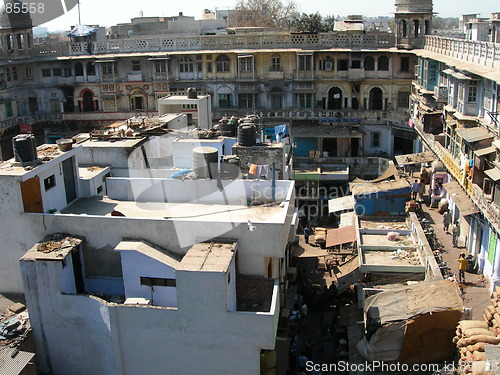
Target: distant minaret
413, 22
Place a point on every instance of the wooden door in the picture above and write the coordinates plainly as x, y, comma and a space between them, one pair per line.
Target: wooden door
32, 195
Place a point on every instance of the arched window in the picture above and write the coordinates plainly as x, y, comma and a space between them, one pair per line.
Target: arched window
404, 28
369, 63
9, 42
427, 27
223, 63
90, 69
383, 63
20, 41
335, 98
29, 40
186, 64
416, 26
376, 99
88, 101
78, 69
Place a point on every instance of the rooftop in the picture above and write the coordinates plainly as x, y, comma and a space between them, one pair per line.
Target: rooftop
54, 247
209, 257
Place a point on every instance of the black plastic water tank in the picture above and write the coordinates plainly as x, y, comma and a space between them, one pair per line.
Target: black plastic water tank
205, 161
247, 135
191, 93
227, 129
24, 147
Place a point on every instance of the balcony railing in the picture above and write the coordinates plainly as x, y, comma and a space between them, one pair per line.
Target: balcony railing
474, 191
482, 53
218, 42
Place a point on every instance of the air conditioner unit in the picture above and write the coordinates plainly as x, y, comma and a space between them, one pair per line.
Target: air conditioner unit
441, 93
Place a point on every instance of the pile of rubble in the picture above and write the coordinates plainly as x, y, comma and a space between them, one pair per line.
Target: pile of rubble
14, 325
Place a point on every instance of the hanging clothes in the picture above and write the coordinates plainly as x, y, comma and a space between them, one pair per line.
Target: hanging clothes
253, 169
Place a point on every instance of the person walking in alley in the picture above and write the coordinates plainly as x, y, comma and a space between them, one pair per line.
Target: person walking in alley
463, 263
455, 231
421, 190
446, 221
307, 232
414, 190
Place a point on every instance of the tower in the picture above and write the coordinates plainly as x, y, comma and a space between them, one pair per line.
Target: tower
413, 22
16, 34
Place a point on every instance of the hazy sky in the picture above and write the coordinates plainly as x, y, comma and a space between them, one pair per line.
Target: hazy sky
111, 12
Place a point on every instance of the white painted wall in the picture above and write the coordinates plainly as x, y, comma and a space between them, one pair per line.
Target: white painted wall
90, 336
182, 150
136, 265
55, 197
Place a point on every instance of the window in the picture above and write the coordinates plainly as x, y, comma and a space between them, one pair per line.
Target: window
66, 72
90, 69
78, 69
326, 63
403, 99
305, 62
154, 281
109, 105
472, 92
108, 68
14, 73
209, 67
369, 63
375, 139
304, 100
160, 67
223, 64
405, 64
57, 72
49, 182
276, 63
54, 106
46, 73
356, 64
342, 64
383, 63
136, 65
245, 64
8, 109
246, 100
186, 64
225, 100
8, 76
28, 72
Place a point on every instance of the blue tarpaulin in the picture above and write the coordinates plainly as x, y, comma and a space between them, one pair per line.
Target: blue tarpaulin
82, 30
180, 173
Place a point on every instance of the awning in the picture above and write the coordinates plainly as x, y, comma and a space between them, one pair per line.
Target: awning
340, 236
476, 134
421, 157
457, 194
493, 173
455, 74
341, 204
485, 151
496, 144
105, 61
390, 172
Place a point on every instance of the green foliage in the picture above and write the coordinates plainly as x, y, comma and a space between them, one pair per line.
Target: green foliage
313, 23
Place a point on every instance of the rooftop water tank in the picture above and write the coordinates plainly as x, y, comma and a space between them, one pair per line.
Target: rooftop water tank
247, 134
24, 147
191, 93
205, 161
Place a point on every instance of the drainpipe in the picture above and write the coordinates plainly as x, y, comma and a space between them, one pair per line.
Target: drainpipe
273, 186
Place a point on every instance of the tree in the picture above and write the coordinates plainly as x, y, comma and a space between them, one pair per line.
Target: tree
313, 23
262, 13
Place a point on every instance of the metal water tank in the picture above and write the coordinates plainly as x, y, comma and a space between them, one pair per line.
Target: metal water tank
191, 93
24, 146
205, 161
247, 135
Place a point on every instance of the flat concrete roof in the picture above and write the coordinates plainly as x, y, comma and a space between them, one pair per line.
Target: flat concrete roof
54, 247
184, 211
154, 252
209, 257
90, 172
116, 143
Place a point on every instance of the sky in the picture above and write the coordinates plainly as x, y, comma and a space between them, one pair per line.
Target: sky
111, 12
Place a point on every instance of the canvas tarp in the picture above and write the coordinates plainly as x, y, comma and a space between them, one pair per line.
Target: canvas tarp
426, 314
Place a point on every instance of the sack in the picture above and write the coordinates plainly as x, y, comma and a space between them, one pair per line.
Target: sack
477, 331
464, 325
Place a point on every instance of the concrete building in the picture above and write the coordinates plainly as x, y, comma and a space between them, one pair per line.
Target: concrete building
455, 105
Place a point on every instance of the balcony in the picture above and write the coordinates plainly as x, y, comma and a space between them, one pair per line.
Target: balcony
481, 53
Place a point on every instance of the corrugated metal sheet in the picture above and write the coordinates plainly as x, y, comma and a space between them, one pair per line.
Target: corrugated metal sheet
14, 365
